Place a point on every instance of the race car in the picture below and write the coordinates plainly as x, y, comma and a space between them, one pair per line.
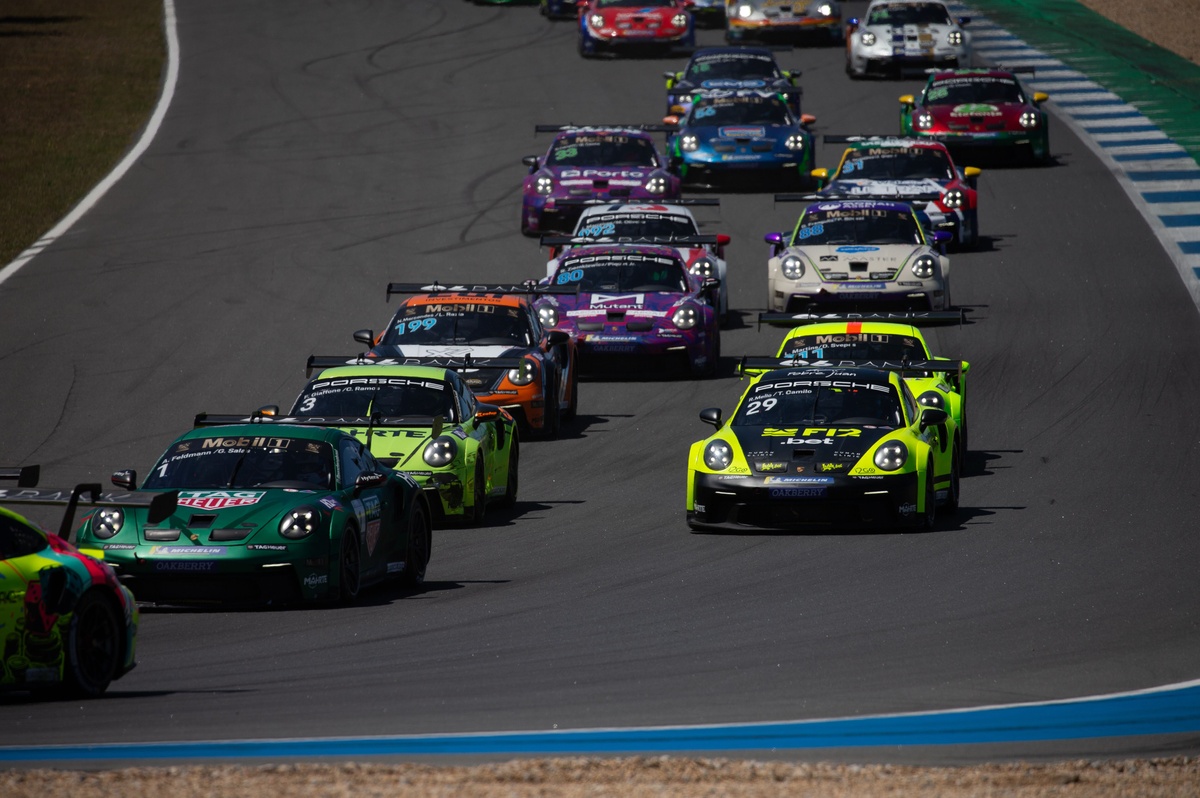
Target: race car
635, 306
783, 20
832, 339
985, 111
70, 626
486, 322
900, 37
634, 26
708, 13
857, 254
560, 9
613, 162
823, 448
268, 513
425, 422
741, 135
730, 68
917, 171
668, 224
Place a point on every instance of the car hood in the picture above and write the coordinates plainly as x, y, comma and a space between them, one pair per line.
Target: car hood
925, 188
860, 261
809, 450
978, 117
616, 305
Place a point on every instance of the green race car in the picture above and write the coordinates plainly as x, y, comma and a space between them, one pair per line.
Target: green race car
823, 448
425, 421
829, 339
267, 513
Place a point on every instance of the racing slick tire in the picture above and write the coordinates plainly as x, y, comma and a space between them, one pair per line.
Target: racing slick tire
479, 508
929, 517
420, 543
710, 368
573, 403
510, 490
93, 654
349, 567
551, 414
952, 493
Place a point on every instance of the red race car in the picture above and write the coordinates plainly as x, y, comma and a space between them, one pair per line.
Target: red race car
635, 26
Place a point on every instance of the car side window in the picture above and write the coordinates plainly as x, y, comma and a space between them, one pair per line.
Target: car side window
351, 457
910, 405
18, 540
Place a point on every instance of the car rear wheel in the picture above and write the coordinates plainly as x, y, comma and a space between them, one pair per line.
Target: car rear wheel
551, 420
929, 516
952, 492
573, 388
420, 543
349, 567
510, 490
479, 494
94, 642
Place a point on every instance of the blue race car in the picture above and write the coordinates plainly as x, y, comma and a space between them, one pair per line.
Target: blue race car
730, 68
737, 135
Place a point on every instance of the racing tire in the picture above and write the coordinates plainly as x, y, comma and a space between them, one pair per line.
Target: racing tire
929, 517
479, 494
972, 241
420, 543
710, 368
551, 414
510, 490
952, 493
349, 567
573, 403
93, 646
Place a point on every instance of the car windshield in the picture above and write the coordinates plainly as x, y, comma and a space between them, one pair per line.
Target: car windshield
835, 347
634, 3
622, 272
641, 224
602, 150
361, 396
857, 226
244, 461
895, 163
718, 111
909, 14
730, 66
476, 323
977, 89
784, 402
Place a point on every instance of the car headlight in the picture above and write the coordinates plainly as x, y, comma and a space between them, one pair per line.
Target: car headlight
543, 185
891, 456
523, 374
923, 266
922, 120
718, 455
744, 11
1029, 120
955, 38
299, 522
107, 522
440, 451
679, 20
954, 198
794, 142
792, 267
657, 185
825, 10
704, 267
596, 21
689, 142
548, 315
867, 38
932, 399
685, 317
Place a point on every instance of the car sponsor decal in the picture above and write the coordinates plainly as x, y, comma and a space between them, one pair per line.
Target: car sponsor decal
313, 580
622, 300
855, 249
976, 109
732, 83
798, 481
219, 499
367, 510
742, 132
267, 547
186, 551
796, 493
860, 286
184, 566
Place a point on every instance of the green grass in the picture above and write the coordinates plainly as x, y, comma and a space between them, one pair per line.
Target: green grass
78, 81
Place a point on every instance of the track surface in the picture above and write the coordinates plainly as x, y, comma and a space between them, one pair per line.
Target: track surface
316, 151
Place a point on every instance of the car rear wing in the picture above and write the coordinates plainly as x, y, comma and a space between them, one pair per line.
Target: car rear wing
686, 201
881, 138
747, 91
464, 363
160, 504
666, 241
371, 422
528, 288
917, 318
750, 365
654, 128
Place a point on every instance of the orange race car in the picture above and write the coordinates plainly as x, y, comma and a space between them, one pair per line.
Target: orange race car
514, 362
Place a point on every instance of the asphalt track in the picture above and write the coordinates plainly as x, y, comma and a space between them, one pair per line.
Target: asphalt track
316, 151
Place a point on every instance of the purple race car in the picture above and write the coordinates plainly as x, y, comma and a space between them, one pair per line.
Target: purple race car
592, 163
635, 303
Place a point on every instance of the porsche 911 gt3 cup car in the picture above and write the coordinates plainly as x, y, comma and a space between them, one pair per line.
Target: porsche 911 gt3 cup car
857, 254
484, 322
824, 448
634, 26
783, 20
636, 306
730, 68
267, 513
981, 110
833, 339
897, 37
741, 134
70, 626
670, 224
604, 162
425, 422
917, 171
560, 9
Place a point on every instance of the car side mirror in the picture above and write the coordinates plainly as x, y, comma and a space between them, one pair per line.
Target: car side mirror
125, 479
711, 415
972, 171
964, 21
776, 240
942, 236
671, 120
365, 337
932, 416
808, 119
369, 479
531, 161
558, 337
1040, 97
906, 99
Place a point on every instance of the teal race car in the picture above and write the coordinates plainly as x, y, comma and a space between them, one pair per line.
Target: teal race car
823, 448
268, 513
425, 421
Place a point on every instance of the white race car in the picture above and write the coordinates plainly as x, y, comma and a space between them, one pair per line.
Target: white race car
896, 37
